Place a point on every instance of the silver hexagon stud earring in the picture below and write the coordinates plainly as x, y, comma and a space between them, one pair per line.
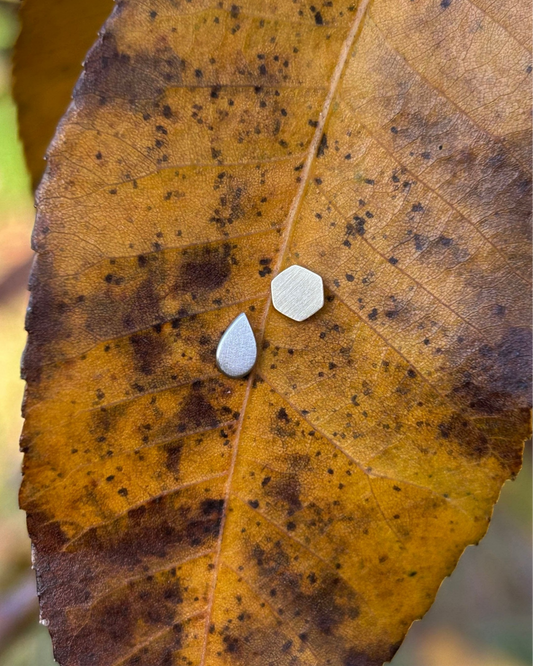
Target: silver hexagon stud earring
237, 349
297, 292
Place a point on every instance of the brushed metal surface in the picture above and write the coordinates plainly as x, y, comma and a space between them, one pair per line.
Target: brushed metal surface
297, 292
237, 349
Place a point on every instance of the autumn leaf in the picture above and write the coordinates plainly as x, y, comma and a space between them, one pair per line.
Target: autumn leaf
47, 63
307, 514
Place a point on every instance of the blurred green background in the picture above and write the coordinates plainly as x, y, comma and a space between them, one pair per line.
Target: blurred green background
482, 615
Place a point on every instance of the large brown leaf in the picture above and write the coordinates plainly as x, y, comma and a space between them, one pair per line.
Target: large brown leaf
305, 515
47, 63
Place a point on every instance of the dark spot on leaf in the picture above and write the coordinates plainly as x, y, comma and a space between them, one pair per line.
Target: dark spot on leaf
282, 415
323, 146
231, 644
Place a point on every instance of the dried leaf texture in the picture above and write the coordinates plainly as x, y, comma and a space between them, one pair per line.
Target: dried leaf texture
48, 58
306, 515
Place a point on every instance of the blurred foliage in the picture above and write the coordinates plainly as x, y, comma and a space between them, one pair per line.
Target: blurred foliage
482, 616
30, 646
31, 649
8, 27
14, 181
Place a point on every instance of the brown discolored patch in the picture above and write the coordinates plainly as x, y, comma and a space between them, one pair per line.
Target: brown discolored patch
115, 621
357, 658
47, 323
173, 457
512, 365
376, 657
328, 603
51, 536
470, 440
111, 73
102, 423
270, 561
287, 491
204, 270
154, 530
196, 412
162, 655
143, 307
148, 351
498, 378
149, 603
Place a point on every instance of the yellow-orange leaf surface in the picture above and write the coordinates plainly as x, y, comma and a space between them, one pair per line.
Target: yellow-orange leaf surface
306, 515
48, 57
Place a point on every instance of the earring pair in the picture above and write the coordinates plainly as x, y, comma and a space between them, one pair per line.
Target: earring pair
296, 293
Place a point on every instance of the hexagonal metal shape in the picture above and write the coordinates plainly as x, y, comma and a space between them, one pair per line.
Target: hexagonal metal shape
297, 292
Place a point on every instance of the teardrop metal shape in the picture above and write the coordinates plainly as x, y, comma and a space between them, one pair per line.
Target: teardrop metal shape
237, 349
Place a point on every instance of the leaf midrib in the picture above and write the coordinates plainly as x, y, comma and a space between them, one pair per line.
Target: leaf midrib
289, 225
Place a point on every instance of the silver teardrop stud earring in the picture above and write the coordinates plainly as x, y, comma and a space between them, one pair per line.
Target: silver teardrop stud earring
297, 292
237, 349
